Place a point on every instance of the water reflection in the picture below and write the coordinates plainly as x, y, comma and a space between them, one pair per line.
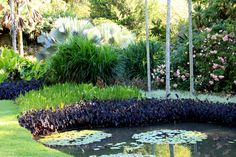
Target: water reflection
221, 142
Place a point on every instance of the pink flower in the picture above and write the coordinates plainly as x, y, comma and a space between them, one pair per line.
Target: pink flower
178, 72
157, 79
226, 38
214, 37
221, 76
221, 59
215, 65
208, 29
211, 82
183, 77
162, 81
215, 77
175, 85
162, 72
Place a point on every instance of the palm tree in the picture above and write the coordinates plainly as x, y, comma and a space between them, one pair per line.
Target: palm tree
16, 22
13, 29
147, 47
168, 49
192, 92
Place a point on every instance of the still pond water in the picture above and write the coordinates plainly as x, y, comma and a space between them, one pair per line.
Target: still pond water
220, 142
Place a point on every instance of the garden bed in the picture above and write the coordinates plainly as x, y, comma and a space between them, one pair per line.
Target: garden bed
119, 113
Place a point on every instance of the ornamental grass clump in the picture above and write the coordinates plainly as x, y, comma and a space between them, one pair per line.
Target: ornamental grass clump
80, 60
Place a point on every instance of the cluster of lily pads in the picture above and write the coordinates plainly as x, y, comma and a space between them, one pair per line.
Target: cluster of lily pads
126, 155
131, 149
74, 138
170, 137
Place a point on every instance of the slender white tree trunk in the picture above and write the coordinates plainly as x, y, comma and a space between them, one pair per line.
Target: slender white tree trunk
147, 47
168, 48
192, 92
171, 149
13, 28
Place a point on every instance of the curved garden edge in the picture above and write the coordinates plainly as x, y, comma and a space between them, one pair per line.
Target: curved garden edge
118, 113
17, 141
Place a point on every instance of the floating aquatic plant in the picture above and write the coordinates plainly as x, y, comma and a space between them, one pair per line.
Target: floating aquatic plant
170, 137
74, 138
126, 155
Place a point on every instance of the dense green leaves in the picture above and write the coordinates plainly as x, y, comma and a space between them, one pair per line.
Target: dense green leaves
135, 59
80, 60
13, 67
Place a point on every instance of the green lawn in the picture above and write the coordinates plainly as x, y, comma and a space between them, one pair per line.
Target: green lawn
16, 141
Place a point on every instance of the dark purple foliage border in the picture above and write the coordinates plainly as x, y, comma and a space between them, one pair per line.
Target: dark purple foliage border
120, 113
11, 90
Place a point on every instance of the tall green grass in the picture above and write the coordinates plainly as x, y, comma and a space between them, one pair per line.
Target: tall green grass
80, 60
64, 94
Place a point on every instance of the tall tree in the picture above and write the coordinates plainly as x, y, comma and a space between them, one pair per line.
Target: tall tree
147, 47
19, 29
191, 48
13, 28
168, 48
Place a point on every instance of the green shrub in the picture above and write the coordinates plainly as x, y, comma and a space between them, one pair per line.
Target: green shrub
135, 59
65, 94
79, 60
13, 67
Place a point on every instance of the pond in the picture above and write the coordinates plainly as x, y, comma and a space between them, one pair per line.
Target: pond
167, 140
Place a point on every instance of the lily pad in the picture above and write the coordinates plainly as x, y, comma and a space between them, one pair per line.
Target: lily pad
74, 138
170, 137
126, 155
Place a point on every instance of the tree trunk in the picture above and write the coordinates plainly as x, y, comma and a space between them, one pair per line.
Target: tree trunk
147, 47
20, 35
192, 92
20, 43
168, 49
13, 28
171, 149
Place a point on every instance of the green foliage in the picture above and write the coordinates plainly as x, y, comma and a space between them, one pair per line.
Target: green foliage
129, 13
65, 94
211, 12
62, 9
135, 58
80, 60
14, 67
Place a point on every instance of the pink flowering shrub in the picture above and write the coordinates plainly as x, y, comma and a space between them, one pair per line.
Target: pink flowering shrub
214, 62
